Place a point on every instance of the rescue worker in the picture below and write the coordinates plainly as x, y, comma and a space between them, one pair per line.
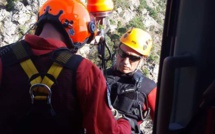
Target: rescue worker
77, 101
131, 93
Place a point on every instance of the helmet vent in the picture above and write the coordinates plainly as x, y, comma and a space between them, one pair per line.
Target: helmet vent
125, 35
49, 9
67, 24
71, 32
144, 47
134, 42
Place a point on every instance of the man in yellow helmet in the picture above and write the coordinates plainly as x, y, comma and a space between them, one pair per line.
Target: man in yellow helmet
47, 89
131, 93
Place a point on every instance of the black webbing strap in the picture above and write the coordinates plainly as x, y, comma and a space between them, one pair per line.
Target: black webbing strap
15, 53
65, 58
36, 118
62, 57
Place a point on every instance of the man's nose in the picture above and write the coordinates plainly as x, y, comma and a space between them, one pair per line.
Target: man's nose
126, 60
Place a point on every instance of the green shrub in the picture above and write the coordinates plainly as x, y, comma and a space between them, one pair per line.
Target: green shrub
136, 22
146, 72
22, 29
122, 30
142, 5
153, 58
10, 5
121, 4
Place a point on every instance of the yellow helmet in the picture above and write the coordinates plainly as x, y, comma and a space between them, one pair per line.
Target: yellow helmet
138, 40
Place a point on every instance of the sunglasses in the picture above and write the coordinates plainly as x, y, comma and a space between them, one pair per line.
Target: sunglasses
132, 58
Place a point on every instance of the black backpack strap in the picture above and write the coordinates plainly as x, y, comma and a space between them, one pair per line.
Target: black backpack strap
67, 59
15, 53
45, 119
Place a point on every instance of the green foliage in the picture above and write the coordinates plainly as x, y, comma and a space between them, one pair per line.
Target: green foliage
121, 4
100, 26
119, 24
112, 22
136, 22
142, 5
10, 5
25, 2
153, 58
153, 13
122, 30
114, 37
146, 72
22, 29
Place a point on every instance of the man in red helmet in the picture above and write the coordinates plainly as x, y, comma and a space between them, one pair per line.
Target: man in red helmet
45, 88
131, 93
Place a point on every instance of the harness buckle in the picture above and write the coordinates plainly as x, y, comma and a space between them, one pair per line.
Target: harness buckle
40, 92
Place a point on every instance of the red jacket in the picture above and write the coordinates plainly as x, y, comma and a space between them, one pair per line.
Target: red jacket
152, 101
91, 91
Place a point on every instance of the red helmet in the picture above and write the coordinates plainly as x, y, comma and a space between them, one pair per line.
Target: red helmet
71, 18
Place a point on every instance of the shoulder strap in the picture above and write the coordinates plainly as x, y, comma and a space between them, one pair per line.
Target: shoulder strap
61, 58
67, 59
41, 115
14, 53
42, 92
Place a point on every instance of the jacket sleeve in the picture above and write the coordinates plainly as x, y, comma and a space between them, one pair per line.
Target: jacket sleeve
152, 101
92, 93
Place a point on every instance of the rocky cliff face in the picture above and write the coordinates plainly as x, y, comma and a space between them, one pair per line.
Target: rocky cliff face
14, 23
